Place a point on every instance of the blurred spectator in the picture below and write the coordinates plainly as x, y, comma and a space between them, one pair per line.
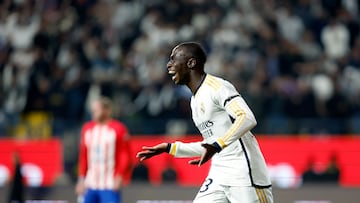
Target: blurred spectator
39, 83
309, 49
22, 26
311, 175
169, 175
290, 25
14, 93
103, 70
331, 174
140, 173
17, 185
335, 37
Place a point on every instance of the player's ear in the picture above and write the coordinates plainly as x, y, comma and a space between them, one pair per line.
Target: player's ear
191, 63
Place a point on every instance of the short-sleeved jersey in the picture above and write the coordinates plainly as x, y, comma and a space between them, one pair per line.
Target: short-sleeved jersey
224, 119
104, 153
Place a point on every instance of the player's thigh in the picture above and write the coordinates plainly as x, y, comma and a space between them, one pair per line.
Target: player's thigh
91, 196
109, 196
213, 197
266, 194
249, 195
210, 192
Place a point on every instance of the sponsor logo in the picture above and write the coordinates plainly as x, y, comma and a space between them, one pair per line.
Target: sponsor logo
205, 125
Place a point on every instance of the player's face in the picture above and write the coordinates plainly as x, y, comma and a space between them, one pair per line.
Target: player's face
177, 66
98, 112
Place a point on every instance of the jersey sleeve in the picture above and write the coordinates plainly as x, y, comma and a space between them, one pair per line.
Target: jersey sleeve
83, 162
243, 120
192, 149
122, 155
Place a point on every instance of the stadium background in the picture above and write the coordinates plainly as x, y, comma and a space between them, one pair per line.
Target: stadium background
296, 62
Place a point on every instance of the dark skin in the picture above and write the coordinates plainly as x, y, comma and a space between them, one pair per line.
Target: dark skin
185, 70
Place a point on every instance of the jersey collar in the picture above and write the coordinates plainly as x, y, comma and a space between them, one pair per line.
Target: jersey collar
202, 81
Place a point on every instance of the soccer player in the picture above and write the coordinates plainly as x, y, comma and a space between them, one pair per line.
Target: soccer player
238, 172
104, 156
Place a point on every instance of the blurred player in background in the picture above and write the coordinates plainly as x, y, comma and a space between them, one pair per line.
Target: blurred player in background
238, 171
104, 156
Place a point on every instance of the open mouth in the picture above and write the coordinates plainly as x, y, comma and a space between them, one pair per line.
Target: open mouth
172, 73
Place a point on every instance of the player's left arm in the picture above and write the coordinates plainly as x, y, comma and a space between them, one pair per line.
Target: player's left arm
83, 155
241, 116
243, 120
122, 155
83, 163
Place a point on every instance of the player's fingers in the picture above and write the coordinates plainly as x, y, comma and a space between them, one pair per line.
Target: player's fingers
203, 160
148, 148
206, 157
146, 156
144, 153
194, 161
143, 158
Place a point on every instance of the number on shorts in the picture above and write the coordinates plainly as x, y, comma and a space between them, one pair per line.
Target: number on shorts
206, 185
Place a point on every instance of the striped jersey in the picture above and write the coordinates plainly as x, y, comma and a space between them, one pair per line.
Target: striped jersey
224, 119
104, 153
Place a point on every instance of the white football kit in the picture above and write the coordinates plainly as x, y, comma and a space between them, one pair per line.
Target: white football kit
238, 173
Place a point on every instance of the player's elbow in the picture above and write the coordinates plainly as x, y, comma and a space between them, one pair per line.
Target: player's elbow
248, 117
247, 121
251, 121
254, 121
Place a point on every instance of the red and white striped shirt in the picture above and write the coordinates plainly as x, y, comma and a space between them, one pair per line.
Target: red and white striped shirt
104, 153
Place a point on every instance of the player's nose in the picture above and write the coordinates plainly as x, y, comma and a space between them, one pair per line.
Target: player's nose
168, 65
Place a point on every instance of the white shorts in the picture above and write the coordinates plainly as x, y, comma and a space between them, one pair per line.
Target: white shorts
212, 192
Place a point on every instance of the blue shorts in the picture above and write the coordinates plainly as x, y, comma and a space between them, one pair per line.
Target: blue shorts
102, 196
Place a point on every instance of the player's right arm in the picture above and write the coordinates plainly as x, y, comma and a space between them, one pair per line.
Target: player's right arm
180, 149
177, 149
83, 164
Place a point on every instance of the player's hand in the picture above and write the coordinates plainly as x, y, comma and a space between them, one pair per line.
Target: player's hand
148, 152
210, 150
117, 182
80, 187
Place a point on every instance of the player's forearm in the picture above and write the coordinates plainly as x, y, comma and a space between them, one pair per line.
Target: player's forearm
239, 128
122, 166
180, 149
244, 121
122, 158
82, 168
83, 164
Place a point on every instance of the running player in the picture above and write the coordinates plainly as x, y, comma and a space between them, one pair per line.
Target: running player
104, 156
238, 172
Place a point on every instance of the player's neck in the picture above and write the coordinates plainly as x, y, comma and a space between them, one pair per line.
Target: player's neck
196, 81
103, 121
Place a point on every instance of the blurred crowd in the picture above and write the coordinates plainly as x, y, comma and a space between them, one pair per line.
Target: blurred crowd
296, 62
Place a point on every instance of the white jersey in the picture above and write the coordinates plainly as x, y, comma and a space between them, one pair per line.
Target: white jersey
224, 119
